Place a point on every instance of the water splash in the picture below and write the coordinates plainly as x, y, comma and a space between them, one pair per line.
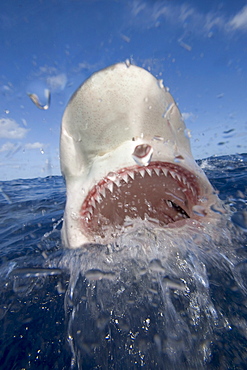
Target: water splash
146, 300
37, 100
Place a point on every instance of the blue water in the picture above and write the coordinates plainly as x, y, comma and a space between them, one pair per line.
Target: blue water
183, 307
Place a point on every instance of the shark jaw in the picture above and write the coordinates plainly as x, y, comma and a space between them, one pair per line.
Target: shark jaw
125, 157
161, 193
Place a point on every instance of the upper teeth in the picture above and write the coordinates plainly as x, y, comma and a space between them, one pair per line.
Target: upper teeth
130, 174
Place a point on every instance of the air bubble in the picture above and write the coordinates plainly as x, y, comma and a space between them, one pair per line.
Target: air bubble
142, 154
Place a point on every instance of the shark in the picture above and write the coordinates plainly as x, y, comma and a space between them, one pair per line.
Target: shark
126, 157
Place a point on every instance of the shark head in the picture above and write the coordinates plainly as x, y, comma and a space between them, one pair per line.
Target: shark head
125, 156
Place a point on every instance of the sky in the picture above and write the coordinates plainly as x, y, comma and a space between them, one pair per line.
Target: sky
49, 47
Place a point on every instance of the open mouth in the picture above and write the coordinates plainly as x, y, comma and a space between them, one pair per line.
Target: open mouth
162, 193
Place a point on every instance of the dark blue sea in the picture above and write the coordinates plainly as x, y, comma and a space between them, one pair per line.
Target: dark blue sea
152, 302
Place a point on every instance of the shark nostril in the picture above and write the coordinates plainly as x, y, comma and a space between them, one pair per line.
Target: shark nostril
143, 154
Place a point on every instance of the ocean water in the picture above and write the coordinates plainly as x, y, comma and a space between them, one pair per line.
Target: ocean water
155, 299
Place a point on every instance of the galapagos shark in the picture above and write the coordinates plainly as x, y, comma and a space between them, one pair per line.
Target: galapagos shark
125, 155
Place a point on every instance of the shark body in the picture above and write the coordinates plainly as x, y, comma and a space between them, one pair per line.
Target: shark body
125, 155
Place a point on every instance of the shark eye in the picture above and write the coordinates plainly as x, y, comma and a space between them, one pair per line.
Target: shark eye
161, 193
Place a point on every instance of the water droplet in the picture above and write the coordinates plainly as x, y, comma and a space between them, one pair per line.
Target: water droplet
95, 274
150, 107
168, 110
240, 219
158, 342
142, 154
146, 99
156, 265
199, 210
128, 63
74, 216
219, 96
158, 138
187, 133
173, 284
6, 111
60, 288
112, 176
160, 84
228, 131
41, 103
99, 100
216, 209
42, 151
148, 322
35, 272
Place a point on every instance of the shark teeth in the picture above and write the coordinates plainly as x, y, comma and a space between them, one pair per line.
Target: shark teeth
149, 171
117, 182
125, 177
131, 174
173, 174
98, 198
142, 172
186, 182
93, 204
102, 192
157, 171
164, 170
110, 186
